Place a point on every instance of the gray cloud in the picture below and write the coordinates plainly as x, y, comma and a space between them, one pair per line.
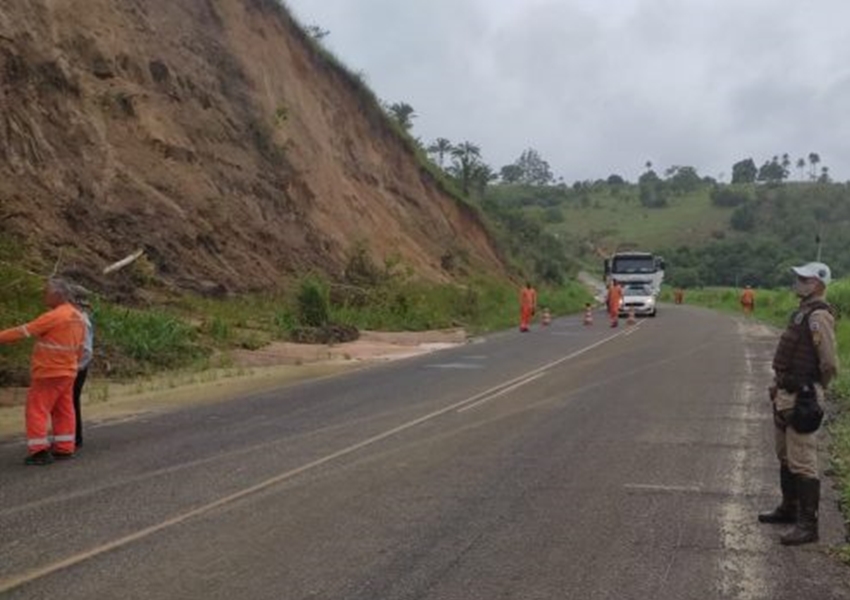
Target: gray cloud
601, 87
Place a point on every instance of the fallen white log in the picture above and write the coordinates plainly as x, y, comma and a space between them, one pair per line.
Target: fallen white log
123, 262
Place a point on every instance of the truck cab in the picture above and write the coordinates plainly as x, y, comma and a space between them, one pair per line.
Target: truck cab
641, 268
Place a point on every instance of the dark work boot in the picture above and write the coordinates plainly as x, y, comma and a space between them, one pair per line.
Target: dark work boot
40, 458
787, 511
806, 529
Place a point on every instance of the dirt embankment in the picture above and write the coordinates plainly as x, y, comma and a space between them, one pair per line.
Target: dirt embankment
214, 134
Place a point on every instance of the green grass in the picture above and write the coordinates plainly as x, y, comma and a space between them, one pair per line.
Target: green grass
772, 306
21, 299
145, 340
840, 427
185, 332
609, 216
611, 220
480, 305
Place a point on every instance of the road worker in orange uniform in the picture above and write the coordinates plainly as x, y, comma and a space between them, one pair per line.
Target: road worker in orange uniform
615, 295
748, 300
60, 334
527, 306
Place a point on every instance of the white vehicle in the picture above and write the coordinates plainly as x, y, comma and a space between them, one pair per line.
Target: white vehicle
635, 267
640, 298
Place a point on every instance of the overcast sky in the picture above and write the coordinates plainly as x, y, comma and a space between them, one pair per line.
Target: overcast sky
602, 86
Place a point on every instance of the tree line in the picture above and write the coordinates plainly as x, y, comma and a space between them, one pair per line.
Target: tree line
778, 169
777, 224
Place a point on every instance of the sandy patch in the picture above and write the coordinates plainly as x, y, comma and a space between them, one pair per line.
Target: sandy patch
371, 346
252, 372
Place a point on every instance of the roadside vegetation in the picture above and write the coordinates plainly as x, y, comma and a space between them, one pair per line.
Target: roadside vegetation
774, 307
192, 332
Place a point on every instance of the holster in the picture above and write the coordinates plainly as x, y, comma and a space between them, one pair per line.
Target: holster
807, 415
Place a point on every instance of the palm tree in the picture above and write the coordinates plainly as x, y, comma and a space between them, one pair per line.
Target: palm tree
403, 113
814, 159
466, 155
801, 166
440, 147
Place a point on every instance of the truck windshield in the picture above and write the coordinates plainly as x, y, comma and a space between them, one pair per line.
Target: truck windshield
633, 264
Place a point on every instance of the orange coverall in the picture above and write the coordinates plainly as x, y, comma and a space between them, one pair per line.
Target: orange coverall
748, 300
615, 294
60, 334
527, 306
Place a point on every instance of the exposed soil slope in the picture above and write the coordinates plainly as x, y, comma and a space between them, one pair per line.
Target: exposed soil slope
213, 134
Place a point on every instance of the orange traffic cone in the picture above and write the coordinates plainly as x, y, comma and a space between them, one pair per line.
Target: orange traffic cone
631, 320
588, 316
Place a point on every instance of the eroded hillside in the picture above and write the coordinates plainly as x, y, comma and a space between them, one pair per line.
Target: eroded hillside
213, 134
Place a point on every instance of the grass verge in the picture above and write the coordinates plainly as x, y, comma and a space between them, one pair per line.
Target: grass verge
186, 333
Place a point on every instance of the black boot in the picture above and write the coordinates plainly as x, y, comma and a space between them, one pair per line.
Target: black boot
787, 511
806, 529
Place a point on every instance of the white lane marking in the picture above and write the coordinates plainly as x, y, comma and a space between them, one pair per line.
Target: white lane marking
500, 393
742, 561
16, 581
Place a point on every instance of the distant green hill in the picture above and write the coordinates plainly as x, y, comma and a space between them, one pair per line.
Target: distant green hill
607, 217
710, 234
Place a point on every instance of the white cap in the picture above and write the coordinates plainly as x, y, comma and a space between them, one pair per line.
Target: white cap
814, 270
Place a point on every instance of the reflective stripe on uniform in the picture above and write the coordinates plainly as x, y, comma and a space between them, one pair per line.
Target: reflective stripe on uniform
64, 438
24, 330
58, 347
39, 442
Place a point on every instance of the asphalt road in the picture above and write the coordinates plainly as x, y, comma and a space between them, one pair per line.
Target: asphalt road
569, 462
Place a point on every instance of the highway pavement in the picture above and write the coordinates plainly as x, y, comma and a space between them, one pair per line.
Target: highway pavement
568, 462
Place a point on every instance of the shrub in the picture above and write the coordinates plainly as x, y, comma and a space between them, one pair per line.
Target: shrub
743, 218
285, 322
360, 268
729, 197
219, 329
150, 338
312, 303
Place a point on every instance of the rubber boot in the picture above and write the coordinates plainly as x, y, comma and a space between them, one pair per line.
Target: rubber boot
787, 511
806, 529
